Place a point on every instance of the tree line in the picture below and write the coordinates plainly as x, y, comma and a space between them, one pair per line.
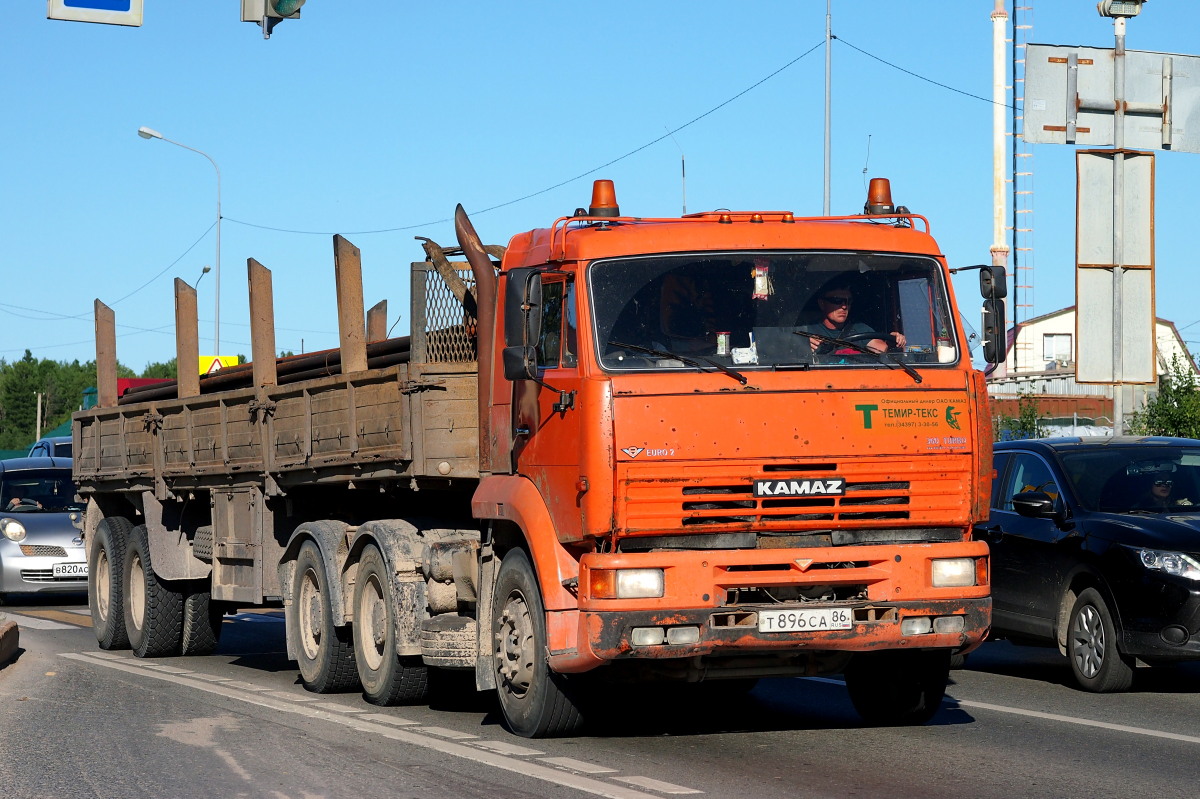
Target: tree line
61, 384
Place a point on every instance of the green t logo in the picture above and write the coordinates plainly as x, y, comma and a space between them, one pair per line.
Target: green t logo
866, 412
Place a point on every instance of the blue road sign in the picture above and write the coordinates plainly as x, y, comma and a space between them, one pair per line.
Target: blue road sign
108, 12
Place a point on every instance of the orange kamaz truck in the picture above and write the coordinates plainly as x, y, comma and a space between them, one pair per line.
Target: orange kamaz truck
619, 450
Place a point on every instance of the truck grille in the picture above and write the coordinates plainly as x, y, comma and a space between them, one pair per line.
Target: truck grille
663, 496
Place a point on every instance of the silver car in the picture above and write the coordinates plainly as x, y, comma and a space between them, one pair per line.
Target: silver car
40, 523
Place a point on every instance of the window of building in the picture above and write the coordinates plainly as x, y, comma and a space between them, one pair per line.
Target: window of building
1057, 347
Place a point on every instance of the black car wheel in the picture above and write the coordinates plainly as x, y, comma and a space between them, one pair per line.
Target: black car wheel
1092, 646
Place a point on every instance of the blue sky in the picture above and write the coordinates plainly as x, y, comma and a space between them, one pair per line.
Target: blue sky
354, 121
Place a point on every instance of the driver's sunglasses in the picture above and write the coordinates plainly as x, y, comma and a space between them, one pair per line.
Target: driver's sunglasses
839, 301
1167, 483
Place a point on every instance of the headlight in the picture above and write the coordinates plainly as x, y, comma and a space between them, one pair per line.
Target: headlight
1175, 563
627, 583
953, 572
12, 529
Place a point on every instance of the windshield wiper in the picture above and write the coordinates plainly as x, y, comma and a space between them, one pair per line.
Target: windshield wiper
699, 363
891, 361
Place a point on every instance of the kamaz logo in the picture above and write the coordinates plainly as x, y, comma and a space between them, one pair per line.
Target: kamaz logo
829, 487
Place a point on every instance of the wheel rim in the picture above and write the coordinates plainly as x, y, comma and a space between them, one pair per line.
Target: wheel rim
103, 584
1088, 638
372, 621
515, 646
137, 591
310, 614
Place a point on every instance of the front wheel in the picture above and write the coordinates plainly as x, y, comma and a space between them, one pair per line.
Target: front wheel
898, 688
325, 653
1092, 646
387, 678
536, 702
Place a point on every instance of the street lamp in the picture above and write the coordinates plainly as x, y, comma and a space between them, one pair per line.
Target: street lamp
148, 133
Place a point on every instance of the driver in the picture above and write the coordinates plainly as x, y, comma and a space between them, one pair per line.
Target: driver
834, 304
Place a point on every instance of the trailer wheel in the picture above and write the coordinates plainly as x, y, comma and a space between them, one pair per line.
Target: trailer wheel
153, 608
898, 688
201, 621
387, 678
536, 702
325, 653
105, 582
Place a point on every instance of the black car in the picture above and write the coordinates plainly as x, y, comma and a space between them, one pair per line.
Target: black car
1096, 549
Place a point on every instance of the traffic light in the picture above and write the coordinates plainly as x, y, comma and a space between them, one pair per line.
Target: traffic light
267, 13
994, 345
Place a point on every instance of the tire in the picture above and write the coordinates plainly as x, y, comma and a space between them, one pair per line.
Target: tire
324, 653
387, 678
153, 607
892, 689
535, 702
106, 591
1092, 646
202, 621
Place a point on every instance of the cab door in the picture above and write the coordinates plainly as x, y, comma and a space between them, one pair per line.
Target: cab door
548, 431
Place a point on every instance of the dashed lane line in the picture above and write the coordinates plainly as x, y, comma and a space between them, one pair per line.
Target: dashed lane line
559, 771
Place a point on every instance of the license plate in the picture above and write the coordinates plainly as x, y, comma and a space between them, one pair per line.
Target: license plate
70, 570
794, 621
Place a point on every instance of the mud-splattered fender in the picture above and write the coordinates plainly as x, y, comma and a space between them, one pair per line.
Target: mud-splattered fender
516, 499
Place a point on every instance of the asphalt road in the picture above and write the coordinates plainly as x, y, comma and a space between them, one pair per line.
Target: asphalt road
78, 722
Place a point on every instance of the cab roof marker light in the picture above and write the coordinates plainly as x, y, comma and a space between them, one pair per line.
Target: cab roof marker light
879, 197
604, 200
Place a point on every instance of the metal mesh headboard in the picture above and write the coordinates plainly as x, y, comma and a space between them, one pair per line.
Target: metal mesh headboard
442, 332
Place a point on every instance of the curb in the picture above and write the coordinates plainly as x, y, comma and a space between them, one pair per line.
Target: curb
10, 636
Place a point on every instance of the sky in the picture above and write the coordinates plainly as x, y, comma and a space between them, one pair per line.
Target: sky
374, 124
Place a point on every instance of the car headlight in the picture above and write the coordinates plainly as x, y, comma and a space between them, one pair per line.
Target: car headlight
952, 572
1175, 563
12, 529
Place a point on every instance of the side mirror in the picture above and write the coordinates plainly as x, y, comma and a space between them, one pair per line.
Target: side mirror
993, 283
522, 323
1035, 505
994, 344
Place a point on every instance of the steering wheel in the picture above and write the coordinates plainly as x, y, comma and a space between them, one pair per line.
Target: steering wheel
17, 504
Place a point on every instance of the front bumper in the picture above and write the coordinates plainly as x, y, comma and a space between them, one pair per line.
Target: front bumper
34, 573
1160, 617
886, 585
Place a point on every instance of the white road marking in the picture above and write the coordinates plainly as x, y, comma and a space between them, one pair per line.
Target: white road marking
1104, 725
656, 785
506, 748
1038, 714
442, 732
290, 697
34, 623
386, 719
334, 706
527, 768
578, 765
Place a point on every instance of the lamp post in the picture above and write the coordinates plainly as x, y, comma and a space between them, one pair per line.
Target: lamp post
147, 133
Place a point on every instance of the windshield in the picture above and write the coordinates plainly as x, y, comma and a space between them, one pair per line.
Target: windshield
749, 310
1130, 479
37, 491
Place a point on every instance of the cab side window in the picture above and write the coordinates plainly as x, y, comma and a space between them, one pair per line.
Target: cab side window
1027, 473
